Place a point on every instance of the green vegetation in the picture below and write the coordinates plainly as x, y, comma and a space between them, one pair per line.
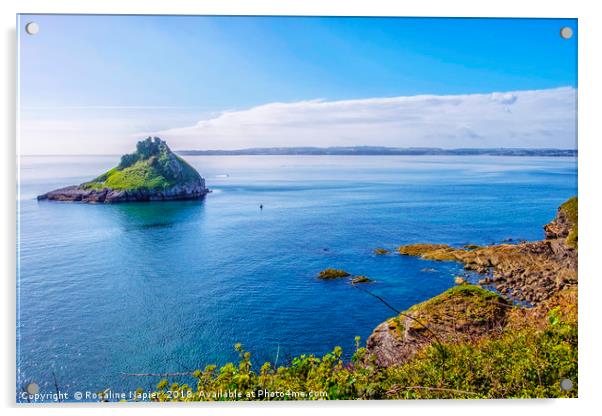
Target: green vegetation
460, 306
140, 175
518, 363
153, 166
332, 274
570, 208
460, 292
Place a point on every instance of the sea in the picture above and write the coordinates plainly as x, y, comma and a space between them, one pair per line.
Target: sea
110, 290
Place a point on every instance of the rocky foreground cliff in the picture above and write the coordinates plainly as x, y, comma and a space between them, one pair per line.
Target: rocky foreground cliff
541, 274
152, 173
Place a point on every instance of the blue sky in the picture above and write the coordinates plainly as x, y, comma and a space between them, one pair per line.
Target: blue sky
132, 75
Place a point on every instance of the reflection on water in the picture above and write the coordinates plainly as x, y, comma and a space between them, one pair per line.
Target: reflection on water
148, 215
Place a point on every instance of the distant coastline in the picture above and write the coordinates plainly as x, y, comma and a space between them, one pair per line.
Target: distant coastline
382, 151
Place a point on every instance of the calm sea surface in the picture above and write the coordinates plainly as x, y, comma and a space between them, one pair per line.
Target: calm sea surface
105, 290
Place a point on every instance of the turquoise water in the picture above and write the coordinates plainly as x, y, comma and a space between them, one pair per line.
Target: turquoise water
165, 287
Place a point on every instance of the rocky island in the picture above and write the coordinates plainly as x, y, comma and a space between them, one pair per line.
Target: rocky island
152, 173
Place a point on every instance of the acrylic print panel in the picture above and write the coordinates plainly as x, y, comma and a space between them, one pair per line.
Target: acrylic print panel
271, 208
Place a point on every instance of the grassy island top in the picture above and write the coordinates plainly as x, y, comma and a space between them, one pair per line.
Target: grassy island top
152, 166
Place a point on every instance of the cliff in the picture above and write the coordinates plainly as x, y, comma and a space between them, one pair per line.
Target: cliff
541, 273
152, 173
530, 271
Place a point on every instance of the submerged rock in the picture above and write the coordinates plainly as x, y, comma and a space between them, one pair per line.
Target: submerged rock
152, 173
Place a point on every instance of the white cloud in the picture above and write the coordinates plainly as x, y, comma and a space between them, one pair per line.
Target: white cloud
538, 118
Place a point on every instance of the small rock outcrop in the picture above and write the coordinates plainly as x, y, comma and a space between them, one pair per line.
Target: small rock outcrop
152, 173
328, 274
360, 279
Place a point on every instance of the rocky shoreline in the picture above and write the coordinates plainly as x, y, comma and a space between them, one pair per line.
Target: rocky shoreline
529, 272
541, 273
77, 193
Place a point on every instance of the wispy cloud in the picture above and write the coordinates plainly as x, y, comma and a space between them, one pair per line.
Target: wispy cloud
538, 118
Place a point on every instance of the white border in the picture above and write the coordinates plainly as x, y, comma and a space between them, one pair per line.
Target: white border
590, 30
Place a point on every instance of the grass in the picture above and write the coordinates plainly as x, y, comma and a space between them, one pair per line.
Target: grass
138, 176
460, 305
152, 167
570, 208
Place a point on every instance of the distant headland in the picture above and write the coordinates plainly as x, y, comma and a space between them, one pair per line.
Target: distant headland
152, 173
384, 151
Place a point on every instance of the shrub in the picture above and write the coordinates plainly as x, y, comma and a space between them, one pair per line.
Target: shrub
517, 364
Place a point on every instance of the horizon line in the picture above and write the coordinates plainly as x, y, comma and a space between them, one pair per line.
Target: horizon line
327, 148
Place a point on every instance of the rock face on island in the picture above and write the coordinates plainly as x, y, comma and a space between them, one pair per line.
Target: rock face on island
152, 173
